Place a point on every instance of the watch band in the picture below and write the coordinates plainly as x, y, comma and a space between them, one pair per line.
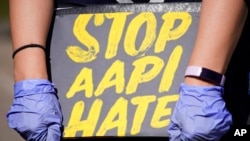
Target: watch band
205, 74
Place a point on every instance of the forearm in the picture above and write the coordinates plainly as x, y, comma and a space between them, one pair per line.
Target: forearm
30, 21
220, 26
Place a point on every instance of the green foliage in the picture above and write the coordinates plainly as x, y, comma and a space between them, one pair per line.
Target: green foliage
4, 9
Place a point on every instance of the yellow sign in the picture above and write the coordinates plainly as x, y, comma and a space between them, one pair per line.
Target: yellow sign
126, 78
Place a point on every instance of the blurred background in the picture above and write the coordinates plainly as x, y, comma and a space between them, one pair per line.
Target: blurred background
6, 75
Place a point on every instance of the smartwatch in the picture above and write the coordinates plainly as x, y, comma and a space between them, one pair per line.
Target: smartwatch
205, 74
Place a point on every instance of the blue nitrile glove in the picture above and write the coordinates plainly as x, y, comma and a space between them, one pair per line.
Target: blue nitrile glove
200, 114
35, 113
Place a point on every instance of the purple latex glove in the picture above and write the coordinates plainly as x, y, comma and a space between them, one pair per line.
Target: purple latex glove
200, 114
35, 113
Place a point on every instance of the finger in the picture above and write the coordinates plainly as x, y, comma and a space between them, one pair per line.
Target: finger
174, 132
54, 133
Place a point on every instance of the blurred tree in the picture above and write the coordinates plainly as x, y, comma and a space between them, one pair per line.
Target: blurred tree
4, 9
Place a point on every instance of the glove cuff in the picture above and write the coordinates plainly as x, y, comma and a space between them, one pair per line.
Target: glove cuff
33, 86
201, 90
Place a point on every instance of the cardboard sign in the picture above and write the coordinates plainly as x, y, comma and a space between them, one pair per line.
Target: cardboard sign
118, 67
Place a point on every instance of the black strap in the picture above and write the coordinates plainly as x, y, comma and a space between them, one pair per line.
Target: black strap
28, 46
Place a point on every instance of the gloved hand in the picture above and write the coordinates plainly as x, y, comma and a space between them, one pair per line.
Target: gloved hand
199, 115
35, 113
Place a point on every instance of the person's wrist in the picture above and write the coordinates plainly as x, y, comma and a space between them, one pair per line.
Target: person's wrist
205, 74
33, 86
194, 81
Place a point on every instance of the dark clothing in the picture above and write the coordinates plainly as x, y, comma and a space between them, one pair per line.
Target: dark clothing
86, 2
247, 2
83, 2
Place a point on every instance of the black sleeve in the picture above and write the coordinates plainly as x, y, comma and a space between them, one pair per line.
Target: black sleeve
247, 2
84, 2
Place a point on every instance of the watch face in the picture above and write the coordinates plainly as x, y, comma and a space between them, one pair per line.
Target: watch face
211, 76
